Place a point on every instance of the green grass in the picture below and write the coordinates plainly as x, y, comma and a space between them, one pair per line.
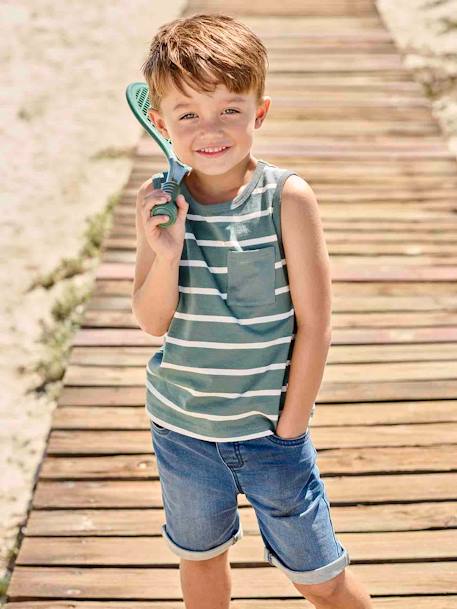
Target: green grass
10, 559
67, 312
93, 236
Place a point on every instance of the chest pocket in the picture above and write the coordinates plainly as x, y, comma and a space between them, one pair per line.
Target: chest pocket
251, 277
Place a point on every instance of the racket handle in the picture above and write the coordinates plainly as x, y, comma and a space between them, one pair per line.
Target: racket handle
169, 209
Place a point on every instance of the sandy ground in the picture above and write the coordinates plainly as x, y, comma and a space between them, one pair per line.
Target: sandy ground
64, 68
426, 34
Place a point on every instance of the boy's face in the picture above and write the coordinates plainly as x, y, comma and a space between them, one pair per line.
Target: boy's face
209, 120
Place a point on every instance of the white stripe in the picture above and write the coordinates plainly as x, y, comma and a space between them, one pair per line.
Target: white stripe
285, 288
206, 416
215, 291
240, 218
227, 319
218, 345
220, 269
260, 434
262, 189
228, 396
226, 371
237, 243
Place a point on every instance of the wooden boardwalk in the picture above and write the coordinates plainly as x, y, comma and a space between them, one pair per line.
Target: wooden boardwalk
350, 118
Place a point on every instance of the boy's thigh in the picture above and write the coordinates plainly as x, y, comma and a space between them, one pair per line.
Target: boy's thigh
283, 484
199, 496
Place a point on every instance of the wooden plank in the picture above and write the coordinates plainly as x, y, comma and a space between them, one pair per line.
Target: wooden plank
138, 356
371, 413
264, 582
103, 442
109, 318
147, 521
386, 602
338, 461
339, 270
329, 392
147, 551
342, 490
239, 8
356, 372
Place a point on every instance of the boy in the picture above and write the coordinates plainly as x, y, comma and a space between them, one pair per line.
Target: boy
241, 326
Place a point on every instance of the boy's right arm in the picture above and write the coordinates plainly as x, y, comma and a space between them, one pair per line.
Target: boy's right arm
155, 288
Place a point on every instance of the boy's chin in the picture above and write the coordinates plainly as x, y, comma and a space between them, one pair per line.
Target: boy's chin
211, 171
208, 168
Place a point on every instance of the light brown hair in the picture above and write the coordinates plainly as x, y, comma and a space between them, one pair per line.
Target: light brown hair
204, 50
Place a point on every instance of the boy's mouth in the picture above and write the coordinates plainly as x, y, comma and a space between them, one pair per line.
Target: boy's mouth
213, 151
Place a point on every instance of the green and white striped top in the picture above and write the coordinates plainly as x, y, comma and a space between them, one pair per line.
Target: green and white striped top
221, 372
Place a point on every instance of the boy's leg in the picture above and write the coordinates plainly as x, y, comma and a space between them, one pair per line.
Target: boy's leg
284, 486
206, 584
202, 518
341, 592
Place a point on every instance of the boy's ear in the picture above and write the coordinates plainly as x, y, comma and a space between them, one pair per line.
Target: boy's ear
262, 111
158, 122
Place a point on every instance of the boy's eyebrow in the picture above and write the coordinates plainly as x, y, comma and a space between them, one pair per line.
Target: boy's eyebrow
230, 99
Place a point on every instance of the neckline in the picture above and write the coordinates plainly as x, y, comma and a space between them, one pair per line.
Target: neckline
215, 208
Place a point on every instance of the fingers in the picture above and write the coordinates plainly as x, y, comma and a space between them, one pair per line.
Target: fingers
151, 198
155, 193
154, 221
154, 196
181, 199
183, 206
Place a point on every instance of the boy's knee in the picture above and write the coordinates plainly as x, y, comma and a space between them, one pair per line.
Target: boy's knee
322, 591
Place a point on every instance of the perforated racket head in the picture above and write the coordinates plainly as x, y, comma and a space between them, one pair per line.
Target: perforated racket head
137, 94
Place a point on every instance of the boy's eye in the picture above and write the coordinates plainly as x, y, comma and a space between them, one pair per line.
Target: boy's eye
192, 113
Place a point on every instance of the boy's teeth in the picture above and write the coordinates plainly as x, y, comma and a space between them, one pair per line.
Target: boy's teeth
212, 149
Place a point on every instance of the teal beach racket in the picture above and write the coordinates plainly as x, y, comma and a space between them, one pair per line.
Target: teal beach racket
138, 100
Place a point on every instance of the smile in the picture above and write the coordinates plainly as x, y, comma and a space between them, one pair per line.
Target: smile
213, 152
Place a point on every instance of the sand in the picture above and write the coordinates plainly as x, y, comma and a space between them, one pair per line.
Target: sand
425, 32
65, 67
64, 71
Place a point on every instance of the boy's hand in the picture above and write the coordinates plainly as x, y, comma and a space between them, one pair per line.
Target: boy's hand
165, 242
289, 427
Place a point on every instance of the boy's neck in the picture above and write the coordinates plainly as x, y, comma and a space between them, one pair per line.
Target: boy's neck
216, 189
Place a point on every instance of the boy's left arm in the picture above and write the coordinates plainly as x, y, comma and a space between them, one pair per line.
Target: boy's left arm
308, 268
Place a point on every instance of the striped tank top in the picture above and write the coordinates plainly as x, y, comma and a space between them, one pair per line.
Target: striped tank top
221, 373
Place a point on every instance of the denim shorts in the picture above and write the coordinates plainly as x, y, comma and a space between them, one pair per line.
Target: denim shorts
200, 481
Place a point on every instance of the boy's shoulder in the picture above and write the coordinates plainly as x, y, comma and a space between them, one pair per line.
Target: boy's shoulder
292, 185
290, 179
299, 204
297, 188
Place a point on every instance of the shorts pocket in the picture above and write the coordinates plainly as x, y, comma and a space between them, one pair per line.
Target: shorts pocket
290, 441
251, 277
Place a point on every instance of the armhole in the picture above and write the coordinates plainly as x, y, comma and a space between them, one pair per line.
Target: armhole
276, 204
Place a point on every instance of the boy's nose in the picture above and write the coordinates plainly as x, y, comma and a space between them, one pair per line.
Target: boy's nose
211, 125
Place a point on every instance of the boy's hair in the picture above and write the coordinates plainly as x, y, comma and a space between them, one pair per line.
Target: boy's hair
205, 49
